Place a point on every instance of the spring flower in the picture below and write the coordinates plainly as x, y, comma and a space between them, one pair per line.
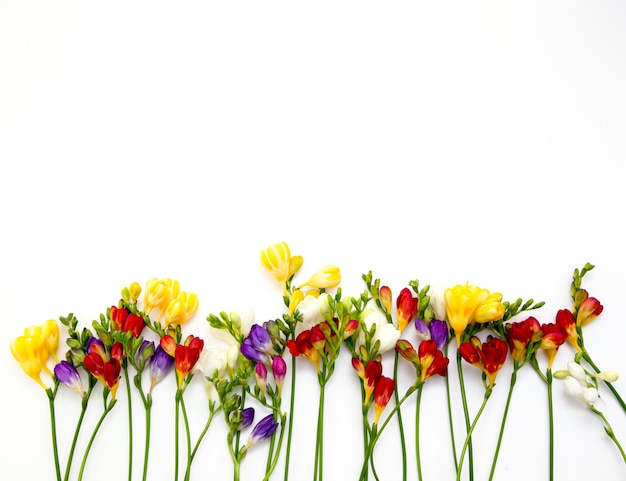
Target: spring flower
240, 419
257, 346
279, 370
552, 338
260, 374
567, 324
314, 310
160, 365
68, 375
406, 308
382, 394
578, 385
370, 375
186, 356
466, 304
435, 330
325, 278
50, 333
588, 310
520, 335
105, 368
385, 297
304, 346
386, 333
30, 352
159, 293
488, 356
127, 322
143, 354
432, 360
263, 430
181, 309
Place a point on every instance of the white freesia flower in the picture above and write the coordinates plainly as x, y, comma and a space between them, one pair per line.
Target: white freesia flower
437, 302
578, 386
386, 332
222, 359
313, 310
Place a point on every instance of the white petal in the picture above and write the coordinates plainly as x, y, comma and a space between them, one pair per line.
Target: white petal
577, 371
573, 388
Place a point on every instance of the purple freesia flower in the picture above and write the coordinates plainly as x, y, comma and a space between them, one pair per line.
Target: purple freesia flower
439, 333
423, 332
248, 417
263, 430
160, 365
258, 345
143, 354
68, 375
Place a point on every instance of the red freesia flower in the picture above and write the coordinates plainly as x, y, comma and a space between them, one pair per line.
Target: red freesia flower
567, 324
406, 308
127, 322
520, 335
488, 356
382, 394
303, 346
186, 356
432, 360
589, 309
106, 370
552, 339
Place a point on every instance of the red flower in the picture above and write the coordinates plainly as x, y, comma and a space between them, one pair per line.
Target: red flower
303, 346
488, 356
186, 356
406, 308
106, 369
432, 360
520, 335
125, 322
552, 339
567, 324
382, 394
588, 310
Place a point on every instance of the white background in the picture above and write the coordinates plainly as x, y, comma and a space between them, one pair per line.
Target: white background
444, 141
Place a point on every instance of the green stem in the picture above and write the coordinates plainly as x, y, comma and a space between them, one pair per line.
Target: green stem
176, 427
319, 441
364, 410
197, 445
292, 401
79, 423
450, 420
187, 433
130, 424
468, 439
504, 417
272, 466
106, 411
417, 433
550, 423
400, 423
148, 408
53, 427
609, 431
467, 442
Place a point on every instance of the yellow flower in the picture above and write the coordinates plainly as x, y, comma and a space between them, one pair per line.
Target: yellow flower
181, 309
466, 304
277, 259
326, 277
33, 349
159, 293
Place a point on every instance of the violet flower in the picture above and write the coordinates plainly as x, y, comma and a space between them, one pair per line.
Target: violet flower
68, 375
439, 333
279, 369
144, 354
263, 430
160, 365
258, 345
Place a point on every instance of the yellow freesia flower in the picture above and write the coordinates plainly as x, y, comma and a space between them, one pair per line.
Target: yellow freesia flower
34, 348
159, 293
466, 304
181, 309
326, 277
277, 259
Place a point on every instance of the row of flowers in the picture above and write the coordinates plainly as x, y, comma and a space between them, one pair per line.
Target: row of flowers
245, 365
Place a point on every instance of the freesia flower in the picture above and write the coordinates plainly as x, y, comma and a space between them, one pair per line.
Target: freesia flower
435, 330
263, 430
160, 365
551, 340
382, 394
277, 259
314, 310
31, 354
181, 309
186, 356
432, 361
406, 308
159, 293
588, 310
488, 356
68, 375
308, 344
105, 368
260, 374
257, 346
126, 322
567, 324
466, 304
325, 278
386, 333
520, 335
50, 334
279, 371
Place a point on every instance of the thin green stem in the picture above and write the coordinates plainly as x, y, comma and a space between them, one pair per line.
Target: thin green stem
319, 440
148, 408
292, 402
272, 466
176, 427
53, 427
83, 410
400, 423
187, 434
130, 424
417, 433
550, 423
467, 442
609, 431
450, 419
504, 417
106, 411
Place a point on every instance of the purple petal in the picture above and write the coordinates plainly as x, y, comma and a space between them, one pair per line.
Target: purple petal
68, 375
263, 430
439, 333
423, 333
160, 365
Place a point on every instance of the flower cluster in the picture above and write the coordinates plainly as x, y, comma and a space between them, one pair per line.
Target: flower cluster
247, 367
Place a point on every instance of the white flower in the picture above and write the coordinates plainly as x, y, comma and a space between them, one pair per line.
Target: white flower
578, 385
386, 332
437, 302
313, 310
222, 359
